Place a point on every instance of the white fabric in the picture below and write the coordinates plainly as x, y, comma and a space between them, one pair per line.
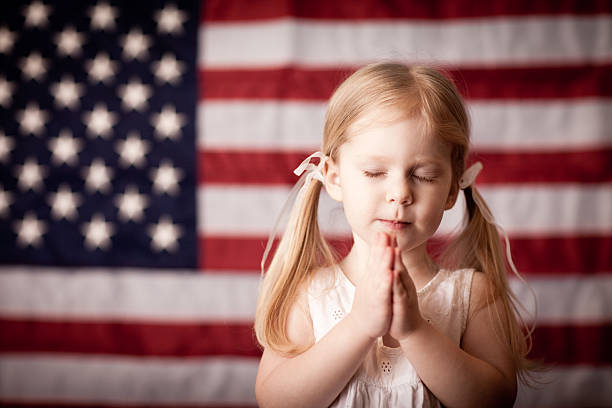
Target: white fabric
386, 378
469, 175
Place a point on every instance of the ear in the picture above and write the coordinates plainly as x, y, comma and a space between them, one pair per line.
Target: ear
452, 197
331, 173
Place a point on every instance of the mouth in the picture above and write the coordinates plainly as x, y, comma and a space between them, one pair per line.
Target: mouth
394, 225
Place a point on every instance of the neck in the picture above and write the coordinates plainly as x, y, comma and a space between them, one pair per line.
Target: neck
417, 261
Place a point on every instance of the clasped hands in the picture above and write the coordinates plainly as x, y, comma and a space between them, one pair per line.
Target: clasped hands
385, 296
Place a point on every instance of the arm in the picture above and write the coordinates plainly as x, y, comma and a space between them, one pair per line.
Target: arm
481, 374
316, 377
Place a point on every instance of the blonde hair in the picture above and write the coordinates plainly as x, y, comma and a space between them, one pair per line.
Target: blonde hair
417, 92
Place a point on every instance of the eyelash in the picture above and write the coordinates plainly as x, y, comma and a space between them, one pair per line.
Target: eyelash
419, 178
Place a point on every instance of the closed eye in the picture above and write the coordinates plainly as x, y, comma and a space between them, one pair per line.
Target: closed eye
423, 179
373, 174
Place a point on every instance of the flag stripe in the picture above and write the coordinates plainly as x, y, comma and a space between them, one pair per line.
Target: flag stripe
276, 167
553, 344
506, 41
243, 10
126, 380
522, 209
533, 255
572, 345
556, 125
562, 299
131, 338
145, 295
230, 382
295, 83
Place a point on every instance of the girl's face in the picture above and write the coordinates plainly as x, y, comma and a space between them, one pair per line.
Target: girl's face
392, 178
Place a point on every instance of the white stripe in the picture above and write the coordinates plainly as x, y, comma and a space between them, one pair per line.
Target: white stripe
128, 294
123, 380
546, 125
505, 41
569, 387
80, 379
567, 299
526, 210
49, 294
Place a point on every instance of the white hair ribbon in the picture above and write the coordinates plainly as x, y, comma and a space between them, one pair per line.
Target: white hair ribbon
308, 172
467, 179
312, 171
469, 175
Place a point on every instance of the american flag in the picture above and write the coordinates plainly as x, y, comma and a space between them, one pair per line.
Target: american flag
146, 148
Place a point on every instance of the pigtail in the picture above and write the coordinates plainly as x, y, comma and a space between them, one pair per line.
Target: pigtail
302, 249
479, 246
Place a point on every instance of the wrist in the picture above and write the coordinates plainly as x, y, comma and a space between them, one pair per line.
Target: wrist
357, 329
419, 327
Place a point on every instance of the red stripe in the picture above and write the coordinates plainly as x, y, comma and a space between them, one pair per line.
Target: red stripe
294, 83
240, 10
584, 344
276, 167
244, 254
573, 345
584, 255
127, 338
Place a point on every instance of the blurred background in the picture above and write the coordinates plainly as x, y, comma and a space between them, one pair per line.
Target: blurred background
146, 148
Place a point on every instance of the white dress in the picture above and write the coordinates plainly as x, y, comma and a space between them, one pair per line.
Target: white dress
386, 378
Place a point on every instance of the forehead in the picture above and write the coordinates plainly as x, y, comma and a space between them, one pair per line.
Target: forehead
390, 135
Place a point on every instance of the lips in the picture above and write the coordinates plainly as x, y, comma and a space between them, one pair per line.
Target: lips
394, 225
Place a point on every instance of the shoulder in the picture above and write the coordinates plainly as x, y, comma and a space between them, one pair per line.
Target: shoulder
482, 293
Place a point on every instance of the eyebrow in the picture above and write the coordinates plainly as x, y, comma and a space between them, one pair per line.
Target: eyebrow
384, 159
364, 157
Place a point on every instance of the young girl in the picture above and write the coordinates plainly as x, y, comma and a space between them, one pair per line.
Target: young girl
386, 326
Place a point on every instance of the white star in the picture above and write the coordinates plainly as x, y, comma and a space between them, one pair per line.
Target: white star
30, 230
101, 68
65, 148
97, 176
97, 232
166, 178
168, 123
64, 203
6, 145
30, 175
168, 69
100, 121
6, 199
134, 95
135, 45
103, 16
170, 20
36, 14
7, 40
34, 66
132, 150
164, 235
6, 92
67, 93
69, 42
131, 204
32, 119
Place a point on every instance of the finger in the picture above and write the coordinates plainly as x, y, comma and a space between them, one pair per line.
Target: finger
385, 239
389, 258
398, 264
399, 290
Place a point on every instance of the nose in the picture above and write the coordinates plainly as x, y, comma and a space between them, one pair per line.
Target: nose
400, 193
